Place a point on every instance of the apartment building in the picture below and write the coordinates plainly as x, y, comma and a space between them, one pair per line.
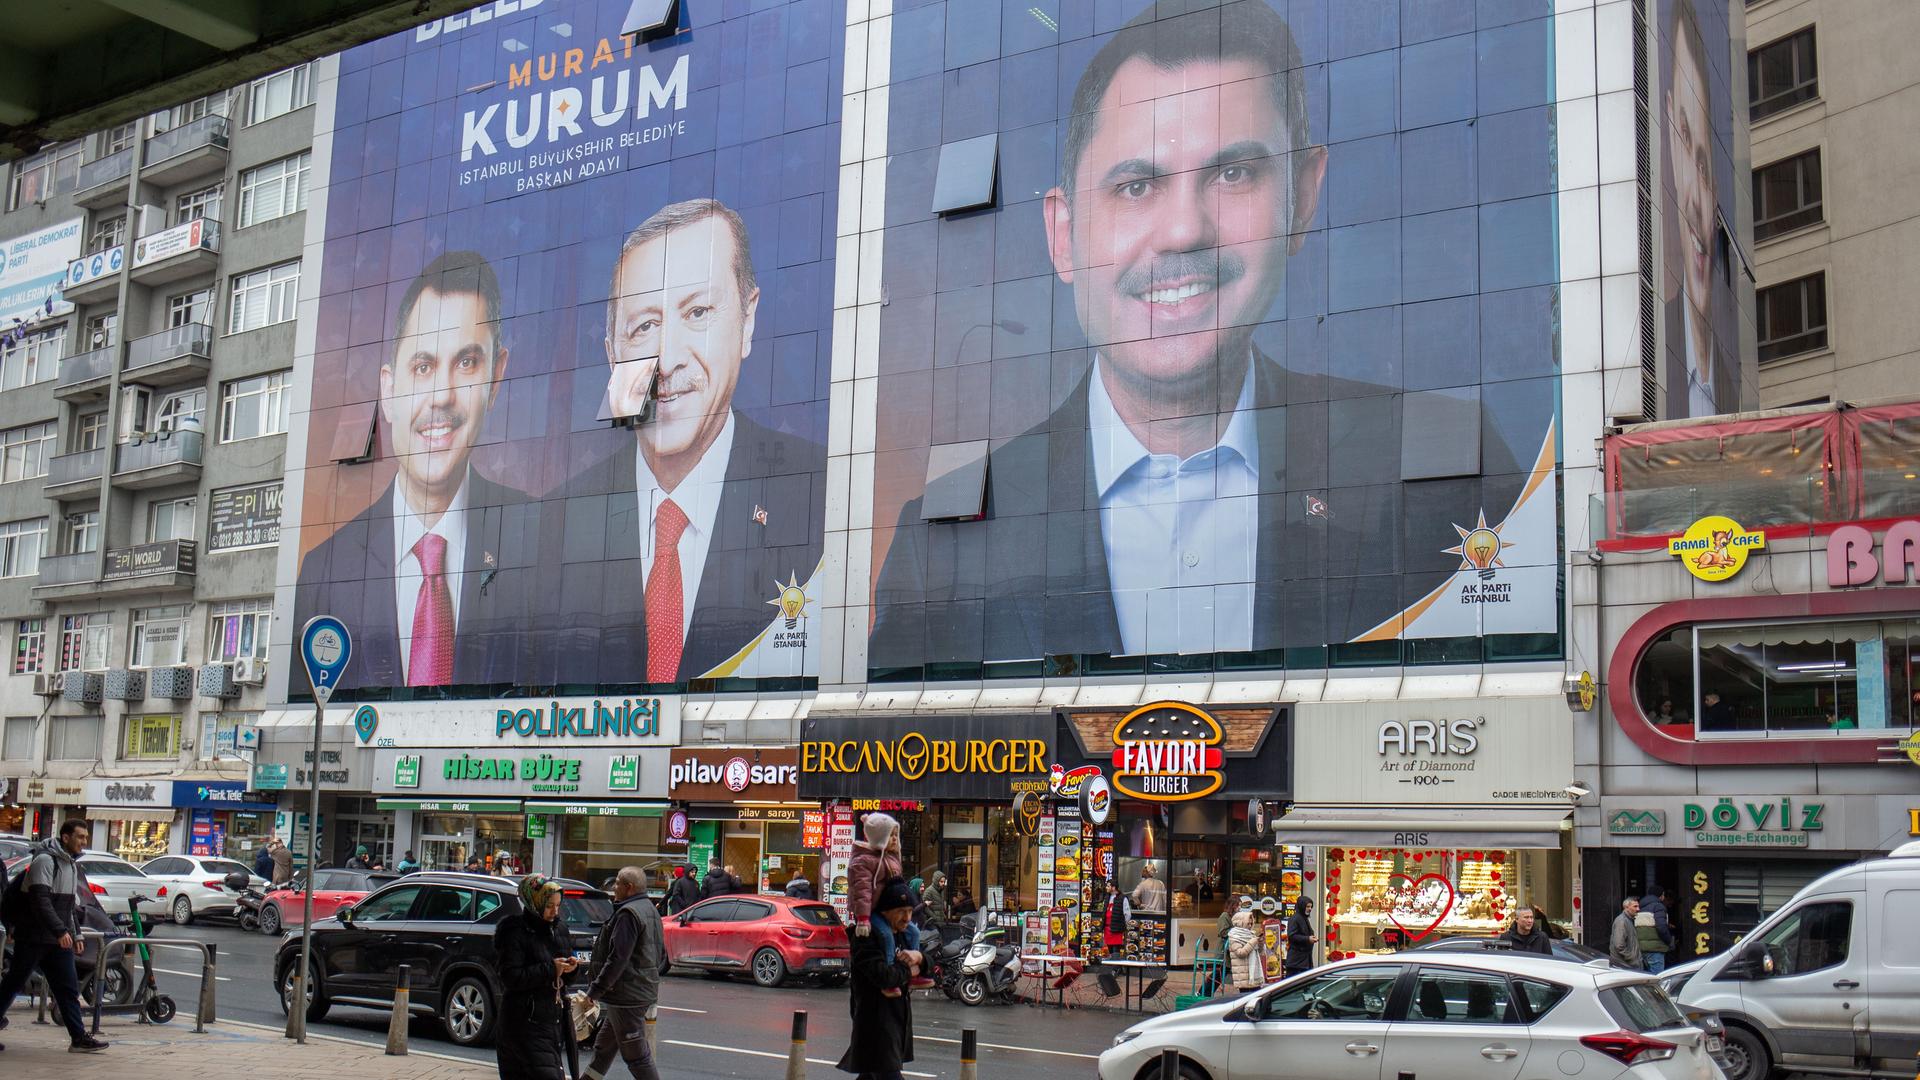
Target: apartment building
143, 412
1836, 197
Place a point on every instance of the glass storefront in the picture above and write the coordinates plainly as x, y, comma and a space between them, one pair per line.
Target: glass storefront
1757, 680
139, 840
594, 848
446, 841
1376, 900
989, 864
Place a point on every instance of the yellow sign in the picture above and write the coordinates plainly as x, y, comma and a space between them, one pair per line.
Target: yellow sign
1913, 823
1587, 691
1714, 548
1910, 746
913, 756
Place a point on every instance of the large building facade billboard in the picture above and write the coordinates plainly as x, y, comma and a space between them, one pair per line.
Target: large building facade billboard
1257, 355
567, 390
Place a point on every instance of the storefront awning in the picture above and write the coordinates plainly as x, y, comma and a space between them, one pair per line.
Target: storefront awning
1425, 827
596, 809
125, 813
454, 806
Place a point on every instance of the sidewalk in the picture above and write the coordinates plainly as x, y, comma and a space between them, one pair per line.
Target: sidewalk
173, 1052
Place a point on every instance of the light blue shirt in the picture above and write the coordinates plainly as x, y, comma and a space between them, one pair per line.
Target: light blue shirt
1700, 397
1180, 535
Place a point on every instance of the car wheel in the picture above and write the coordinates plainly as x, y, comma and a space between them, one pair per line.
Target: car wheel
1747, 1057
1188, 1071
270, 920
183, 911
317, 1003
468, 1012
768, 969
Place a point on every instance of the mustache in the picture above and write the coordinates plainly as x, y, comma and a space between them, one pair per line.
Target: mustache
1213, 269
440, 415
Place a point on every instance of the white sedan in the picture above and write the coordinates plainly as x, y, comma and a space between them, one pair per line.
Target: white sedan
196, 884
1439, 1016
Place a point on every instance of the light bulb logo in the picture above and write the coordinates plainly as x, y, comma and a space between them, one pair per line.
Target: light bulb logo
1480, 547
792, 600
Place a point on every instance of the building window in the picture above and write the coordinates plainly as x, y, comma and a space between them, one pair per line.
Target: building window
159, 636
152, 738
47, 174
170, 519
275, 189
1782, 74
25, 451
19, 742
219, 734
1793, 317
85, 642
264, 297
20, 545
190, 308
34, 358
204, 203
250, 408
179, 407
114, 140
239, 629
29, 646
83, 532
103, 330
89, 432
1782, 680
73, 738
185, 113
280, 93
1786, 195
107, 234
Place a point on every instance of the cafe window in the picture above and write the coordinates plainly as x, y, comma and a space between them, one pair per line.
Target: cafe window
151, 738
1783, 680
593, 849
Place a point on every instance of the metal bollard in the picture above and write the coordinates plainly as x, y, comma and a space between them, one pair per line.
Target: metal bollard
797, 1054
1169, 1064
297, 1008
203, 1012
969, 1054
397, 1022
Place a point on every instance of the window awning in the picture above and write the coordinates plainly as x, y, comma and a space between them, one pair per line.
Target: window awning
454, 806
1425, 827
126, 813
596, 808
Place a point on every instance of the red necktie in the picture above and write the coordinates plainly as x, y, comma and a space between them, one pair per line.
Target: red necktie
666, 632
430, 661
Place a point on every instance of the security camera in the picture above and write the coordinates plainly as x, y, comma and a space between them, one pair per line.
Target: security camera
1595, 557
1577, 791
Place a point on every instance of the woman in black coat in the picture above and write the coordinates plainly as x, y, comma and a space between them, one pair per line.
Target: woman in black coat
533, 952
882, 1041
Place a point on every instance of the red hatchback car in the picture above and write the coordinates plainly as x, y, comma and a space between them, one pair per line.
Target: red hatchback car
284, 906
769, 937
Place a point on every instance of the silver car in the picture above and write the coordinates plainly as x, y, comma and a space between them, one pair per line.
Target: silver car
1435, 1016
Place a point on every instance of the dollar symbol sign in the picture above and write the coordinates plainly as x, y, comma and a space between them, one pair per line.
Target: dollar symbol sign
1700, 882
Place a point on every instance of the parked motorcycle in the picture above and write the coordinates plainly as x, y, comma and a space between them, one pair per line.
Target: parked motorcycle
945, 953
991, 967
248, 898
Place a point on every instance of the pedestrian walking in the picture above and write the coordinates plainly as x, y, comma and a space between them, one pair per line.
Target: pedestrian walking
533, 952
683, 893
39, 912
282, 864
1654, 927
1300, 936
936, 898
1527, 935
1246, 960
627, 957
717, 882
1623, 944
263, 861
875, 865
881, 1044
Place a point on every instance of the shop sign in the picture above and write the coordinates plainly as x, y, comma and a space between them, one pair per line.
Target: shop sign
1635, 822
1064, 783
1851, 562
813, 829
339, 776
577, 773
963, 758
762, 773
1171, 751
1026, 812
1168, 751
545, 774
1910, 746
1459, 752
888, 806
536, 826
678, 831
1582, 692
1913, 822
406, 771
1096, 799
244, 517
1714, 548
574, 723
130, 792
53, 792
267, 777
623, 772
1728, 823
215, 795
766, 813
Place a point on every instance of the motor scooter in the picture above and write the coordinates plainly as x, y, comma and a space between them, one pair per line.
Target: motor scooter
946, 952
991, 967
248, 899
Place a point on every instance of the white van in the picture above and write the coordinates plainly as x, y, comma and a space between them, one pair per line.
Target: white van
1828, 984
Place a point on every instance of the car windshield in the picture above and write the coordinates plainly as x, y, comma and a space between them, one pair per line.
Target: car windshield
817, 914
224, 867
12, 849
581, 911
109, 868
1642, 1007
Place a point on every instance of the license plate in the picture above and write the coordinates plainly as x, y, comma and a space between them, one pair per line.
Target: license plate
1715, 1044
833, 963
584, 956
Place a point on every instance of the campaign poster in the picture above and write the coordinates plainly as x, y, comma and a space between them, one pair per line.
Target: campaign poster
1252, 363
566, 405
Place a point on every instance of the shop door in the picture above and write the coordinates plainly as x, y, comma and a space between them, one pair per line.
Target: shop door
741, 850
965, 868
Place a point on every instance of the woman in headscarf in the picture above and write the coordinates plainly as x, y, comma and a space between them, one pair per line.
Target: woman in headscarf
534, 954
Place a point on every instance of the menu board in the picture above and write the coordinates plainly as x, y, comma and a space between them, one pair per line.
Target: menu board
839, 856
1147, 938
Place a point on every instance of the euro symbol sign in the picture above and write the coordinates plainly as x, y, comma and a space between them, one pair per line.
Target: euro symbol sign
1700, 912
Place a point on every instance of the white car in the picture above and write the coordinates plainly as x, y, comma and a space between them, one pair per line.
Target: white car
114, 879
196, 884
1432, 1016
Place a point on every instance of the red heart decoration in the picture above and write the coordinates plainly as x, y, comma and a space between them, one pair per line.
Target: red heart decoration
1336, 956
1499, 856
1493, 894
1335, 854
1311, 875
1414, 884
1419, 857
1576, 903
1496, 879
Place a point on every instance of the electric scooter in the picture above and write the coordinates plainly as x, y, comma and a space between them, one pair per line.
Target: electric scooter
148, 1000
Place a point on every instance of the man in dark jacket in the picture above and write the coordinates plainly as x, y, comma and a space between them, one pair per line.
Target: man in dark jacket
263, 861
882, 1039
1655, 932
799, 887
1299, 939
683, 893
1526, 934
717, 882
627, 957
46, 934
533, 952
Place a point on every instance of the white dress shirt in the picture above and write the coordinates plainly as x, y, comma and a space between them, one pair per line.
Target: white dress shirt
407, 572
1180, 535
1700, 400
698, 497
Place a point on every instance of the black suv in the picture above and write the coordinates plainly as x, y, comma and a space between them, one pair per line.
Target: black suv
441, 926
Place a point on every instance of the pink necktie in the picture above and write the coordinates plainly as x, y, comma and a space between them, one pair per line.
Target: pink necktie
430, 661
666, 633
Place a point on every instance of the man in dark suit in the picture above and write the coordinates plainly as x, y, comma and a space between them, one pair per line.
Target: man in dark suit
413, 574
675, 549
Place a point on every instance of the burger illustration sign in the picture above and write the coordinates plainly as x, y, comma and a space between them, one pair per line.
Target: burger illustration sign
1168, 751
1174, 752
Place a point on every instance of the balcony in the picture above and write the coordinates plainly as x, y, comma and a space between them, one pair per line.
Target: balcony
103, 181
169, 564
187, 152
75, 474
84, 377
179, 355
94, 277
158, 458
189, 249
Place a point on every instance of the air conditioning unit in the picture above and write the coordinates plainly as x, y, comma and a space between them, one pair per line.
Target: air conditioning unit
171, 683
123, 684
249, 671
216, 681
47, 684
85, 687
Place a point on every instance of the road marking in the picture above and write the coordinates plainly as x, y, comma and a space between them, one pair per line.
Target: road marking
1021, 1049
768, 1054
188, 974
676, 1008
312, 1034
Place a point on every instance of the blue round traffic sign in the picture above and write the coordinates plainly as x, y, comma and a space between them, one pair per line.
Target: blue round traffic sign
325, 647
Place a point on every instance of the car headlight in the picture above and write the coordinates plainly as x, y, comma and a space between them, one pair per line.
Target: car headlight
1125, 1037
